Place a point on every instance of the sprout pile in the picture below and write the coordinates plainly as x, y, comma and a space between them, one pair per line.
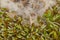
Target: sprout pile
48, 29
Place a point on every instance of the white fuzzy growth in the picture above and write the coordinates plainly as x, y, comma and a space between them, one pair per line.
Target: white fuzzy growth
26, 11
8, 4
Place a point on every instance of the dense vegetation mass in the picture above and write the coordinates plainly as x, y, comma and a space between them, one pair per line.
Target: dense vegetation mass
48, 29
